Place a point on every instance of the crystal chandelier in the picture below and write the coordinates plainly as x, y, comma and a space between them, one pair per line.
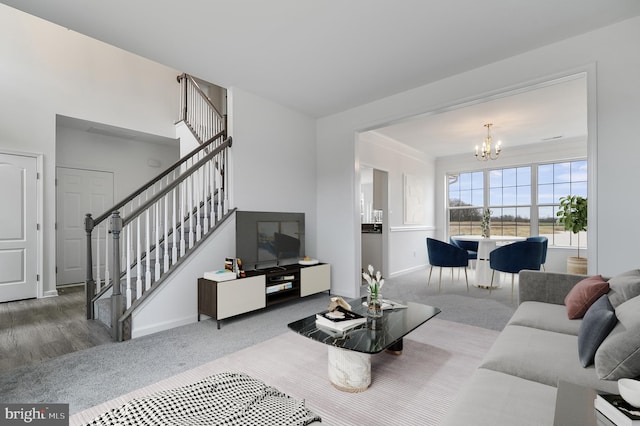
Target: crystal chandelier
484, 153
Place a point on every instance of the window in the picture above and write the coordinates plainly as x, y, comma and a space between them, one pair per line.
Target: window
510, 201
554, 181
523, 200
466, 200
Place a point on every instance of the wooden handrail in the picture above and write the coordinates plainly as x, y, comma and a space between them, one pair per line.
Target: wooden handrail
200, 91
144, 187
131, 216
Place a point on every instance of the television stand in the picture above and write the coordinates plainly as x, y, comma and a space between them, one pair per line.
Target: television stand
261, 288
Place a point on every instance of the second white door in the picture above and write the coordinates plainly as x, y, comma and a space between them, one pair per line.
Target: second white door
78, 192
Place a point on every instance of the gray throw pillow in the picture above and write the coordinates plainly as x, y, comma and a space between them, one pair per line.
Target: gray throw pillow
624, 287
619, 354
596, 326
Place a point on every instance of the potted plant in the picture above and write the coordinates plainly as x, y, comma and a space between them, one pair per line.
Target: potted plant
573, 215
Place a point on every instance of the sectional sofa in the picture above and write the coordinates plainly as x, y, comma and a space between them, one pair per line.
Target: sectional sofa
516, 383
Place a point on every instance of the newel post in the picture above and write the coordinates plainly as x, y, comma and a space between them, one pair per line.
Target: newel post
89, 285
115, 226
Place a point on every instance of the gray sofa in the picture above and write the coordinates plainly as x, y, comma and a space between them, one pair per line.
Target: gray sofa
516, 382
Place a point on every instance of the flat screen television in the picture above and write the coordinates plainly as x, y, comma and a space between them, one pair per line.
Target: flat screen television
268, 239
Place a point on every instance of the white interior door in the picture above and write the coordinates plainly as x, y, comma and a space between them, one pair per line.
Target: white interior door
18, 223
78, 192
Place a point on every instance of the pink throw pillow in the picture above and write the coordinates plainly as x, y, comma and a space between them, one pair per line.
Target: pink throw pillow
584, 294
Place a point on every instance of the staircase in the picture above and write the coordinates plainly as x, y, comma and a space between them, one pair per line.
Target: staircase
139, 242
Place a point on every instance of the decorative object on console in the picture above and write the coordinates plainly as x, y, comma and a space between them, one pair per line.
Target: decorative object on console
307, 261
220, 275
234, 264
374, 297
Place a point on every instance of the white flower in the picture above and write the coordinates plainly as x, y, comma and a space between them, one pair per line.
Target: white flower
375, 284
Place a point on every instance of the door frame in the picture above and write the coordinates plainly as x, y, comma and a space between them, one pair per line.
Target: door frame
39, 220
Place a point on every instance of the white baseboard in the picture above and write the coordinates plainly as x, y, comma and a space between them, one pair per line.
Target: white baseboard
408, 270
162, 326
50, 293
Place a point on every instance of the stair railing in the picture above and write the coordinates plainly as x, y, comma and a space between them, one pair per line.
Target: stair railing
167, 227
197, 110
200, 175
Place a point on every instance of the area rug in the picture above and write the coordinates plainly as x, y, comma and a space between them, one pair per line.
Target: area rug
417, 387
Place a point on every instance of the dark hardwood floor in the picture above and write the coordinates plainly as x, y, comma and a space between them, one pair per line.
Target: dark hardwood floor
38, 329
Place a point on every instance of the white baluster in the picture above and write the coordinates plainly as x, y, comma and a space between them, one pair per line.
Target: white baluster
166, 236
98, 280
157, 231
182, 213
219, 186
190, 211
127, 246
174, 227
205, 192
107, 272
225, 177
139, 260
197, 186
215, 196
147, 275
212, 191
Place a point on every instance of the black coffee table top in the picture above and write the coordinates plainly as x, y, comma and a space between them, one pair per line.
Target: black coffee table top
391, 328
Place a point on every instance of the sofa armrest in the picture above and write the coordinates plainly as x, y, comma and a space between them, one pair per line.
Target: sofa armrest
549, 287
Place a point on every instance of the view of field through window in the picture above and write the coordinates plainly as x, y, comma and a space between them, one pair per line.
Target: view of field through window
523, 200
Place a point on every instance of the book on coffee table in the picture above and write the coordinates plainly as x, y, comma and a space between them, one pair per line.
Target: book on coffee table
340, 319
617, 410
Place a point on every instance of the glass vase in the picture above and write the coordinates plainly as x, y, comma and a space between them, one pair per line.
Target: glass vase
374, 304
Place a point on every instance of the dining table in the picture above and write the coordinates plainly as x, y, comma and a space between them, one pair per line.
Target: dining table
486, 245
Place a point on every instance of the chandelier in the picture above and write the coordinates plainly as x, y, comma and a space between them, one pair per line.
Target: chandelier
485, 153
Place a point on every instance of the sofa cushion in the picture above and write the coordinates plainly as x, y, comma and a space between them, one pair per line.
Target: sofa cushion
542, 356
583, 294
545, 316
624, 287
596, 326
619, 354
492, 398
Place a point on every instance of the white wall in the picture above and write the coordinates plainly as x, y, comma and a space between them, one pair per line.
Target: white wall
129, 160
176, 302
613, 129
273, 160
406, 243
47, 70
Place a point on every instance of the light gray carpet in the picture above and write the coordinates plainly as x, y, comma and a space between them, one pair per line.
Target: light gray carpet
415, 388
91, 376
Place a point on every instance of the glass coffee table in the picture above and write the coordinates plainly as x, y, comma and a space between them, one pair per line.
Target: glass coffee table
350, 352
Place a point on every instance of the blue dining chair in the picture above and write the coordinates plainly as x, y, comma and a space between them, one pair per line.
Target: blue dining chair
470, 246
513, 258
545, 243
446, 255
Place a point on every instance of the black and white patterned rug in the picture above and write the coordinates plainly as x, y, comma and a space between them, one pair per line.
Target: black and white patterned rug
221, 399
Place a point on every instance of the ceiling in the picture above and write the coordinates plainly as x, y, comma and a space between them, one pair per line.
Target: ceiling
324, 57
112, 131
552, 112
